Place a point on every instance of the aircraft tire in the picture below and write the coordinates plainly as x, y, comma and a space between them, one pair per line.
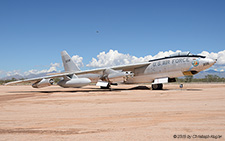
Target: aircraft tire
107, 87
157, 86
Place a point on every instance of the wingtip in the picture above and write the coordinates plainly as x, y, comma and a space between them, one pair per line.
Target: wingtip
6, 84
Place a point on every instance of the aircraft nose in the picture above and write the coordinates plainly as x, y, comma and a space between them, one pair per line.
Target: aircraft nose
208, 62
212, 61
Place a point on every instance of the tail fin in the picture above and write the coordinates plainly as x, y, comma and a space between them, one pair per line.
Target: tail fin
68, 63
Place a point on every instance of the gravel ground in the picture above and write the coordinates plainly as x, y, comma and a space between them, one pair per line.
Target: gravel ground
128, 112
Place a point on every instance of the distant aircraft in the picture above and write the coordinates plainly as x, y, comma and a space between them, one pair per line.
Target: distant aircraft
157, 72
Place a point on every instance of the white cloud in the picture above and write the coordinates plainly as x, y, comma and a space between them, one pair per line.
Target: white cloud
33, 71
113, 58
220, 56
53, 67
14, 72
162, 54
78, 60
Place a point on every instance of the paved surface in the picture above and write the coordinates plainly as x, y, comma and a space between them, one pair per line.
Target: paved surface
126, 113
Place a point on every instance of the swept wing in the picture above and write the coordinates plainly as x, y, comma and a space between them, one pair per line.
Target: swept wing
130, 67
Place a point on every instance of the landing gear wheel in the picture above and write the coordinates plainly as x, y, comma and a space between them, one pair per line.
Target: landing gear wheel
107, 87
157, 86
181, 86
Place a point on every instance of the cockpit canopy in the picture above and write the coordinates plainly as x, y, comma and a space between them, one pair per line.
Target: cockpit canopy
186, 53
179, 54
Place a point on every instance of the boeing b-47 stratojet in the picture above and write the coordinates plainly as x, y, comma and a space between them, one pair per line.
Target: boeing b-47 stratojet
157, 72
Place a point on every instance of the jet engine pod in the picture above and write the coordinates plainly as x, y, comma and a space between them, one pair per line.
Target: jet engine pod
74, 82
43, 83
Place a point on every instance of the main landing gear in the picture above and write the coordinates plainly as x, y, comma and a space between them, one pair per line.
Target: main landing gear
107, 87
157, 86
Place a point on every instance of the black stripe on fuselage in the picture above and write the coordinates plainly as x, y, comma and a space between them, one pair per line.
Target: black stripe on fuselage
176, 57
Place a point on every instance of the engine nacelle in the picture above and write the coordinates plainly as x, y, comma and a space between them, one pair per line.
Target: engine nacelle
74, 82
110, 73
43, 83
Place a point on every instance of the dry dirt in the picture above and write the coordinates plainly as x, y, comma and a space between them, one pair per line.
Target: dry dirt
125, 113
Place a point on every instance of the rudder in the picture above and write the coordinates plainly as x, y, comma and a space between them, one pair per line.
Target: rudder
68, 63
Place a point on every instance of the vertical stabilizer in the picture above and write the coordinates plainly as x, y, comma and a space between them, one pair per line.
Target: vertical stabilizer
68, 63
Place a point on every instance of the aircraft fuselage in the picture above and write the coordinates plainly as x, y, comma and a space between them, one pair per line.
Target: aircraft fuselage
170, 67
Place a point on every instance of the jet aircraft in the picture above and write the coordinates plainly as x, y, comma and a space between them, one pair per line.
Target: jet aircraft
156, 71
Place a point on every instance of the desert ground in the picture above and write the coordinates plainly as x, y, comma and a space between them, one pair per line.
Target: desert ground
128, 112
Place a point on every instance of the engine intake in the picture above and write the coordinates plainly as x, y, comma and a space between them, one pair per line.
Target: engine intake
43, 83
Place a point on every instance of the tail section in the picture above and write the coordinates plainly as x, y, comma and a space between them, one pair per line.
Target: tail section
68, 63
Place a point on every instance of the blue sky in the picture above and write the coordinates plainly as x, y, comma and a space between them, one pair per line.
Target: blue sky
34, 32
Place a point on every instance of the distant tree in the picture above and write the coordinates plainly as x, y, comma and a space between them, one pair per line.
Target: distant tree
212, 78
13, 79
188, 78
2, 82
56, 80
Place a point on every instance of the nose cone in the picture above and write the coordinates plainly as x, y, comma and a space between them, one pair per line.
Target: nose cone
207, 63
212, 61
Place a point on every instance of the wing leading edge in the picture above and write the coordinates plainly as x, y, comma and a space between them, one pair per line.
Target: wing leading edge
38, 78
129, 67
121, 67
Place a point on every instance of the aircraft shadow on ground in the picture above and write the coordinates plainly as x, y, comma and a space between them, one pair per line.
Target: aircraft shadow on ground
182, 90
86, 90
104, 90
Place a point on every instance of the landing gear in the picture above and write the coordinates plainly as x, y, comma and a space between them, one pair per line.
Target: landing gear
107, 87
181, 86
157, 86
